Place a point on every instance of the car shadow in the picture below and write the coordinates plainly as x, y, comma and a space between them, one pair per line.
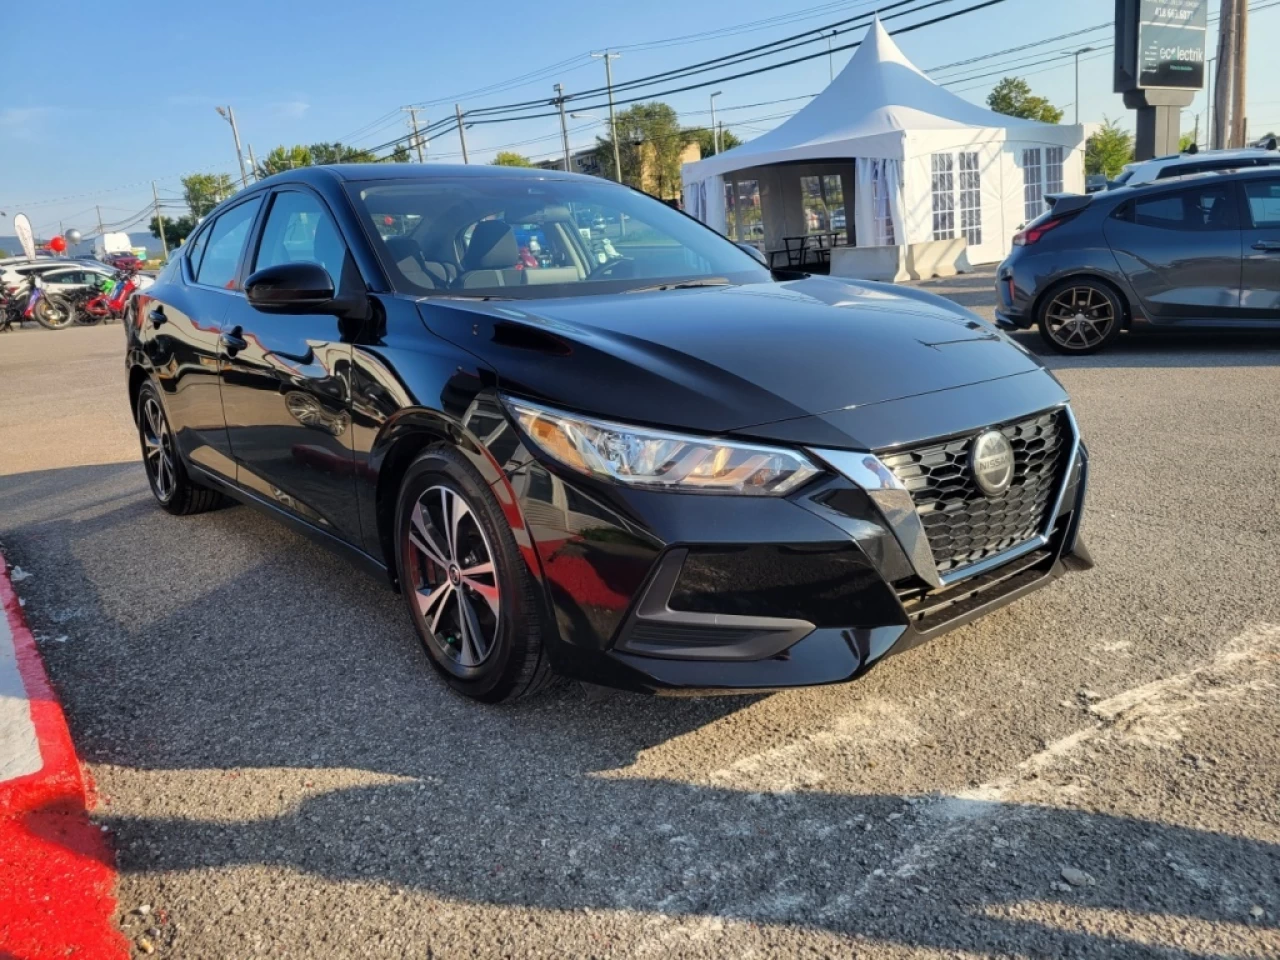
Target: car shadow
1148, 347
247, 652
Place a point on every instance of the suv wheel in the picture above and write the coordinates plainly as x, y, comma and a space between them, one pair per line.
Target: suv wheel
471, 599
1080, 316
172, 487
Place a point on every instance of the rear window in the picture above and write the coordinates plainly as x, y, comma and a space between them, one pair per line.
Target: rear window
1203, 207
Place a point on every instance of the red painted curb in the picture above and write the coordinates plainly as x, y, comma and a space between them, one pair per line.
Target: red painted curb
57, 869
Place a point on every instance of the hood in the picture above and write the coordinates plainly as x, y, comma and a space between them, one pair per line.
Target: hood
726, 359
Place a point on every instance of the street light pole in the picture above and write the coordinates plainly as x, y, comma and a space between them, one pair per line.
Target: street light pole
417, 137
564, 129
613, 124
229, 115
715, 133
164, 243
1077, 56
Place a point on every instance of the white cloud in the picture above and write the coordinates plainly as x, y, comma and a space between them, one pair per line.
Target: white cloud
22, 123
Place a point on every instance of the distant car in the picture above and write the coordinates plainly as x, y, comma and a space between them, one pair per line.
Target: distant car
1095, 182
1185, 164
1199, 251
74, 277
14, 271
122, 261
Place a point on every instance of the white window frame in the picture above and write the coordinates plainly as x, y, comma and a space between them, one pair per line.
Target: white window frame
943, 193
1054, 158
1032, 183
956, 194
969, 193
880, 204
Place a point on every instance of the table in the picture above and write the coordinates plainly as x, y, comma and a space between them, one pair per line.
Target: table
797, 250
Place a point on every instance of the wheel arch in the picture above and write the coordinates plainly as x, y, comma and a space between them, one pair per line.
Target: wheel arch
137, 377
401, 440
1126, 306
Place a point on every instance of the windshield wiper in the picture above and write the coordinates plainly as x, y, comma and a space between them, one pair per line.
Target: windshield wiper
682, 285
465, 296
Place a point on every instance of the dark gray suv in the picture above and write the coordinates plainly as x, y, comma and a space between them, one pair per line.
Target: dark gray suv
1197, 251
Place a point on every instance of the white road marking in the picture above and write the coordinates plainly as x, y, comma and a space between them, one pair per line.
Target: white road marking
19, 748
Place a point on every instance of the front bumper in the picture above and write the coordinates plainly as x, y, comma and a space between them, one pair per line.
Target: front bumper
666, 592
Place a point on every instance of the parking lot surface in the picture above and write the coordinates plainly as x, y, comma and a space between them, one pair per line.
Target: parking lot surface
1090, 772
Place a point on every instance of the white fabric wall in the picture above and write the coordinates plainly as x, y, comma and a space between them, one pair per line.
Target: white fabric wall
704, 200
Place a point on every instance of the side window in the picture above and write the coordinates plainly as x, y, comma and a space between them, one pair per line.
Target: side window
1264, 202
225, 245
1207, 207
193, 250
299, 228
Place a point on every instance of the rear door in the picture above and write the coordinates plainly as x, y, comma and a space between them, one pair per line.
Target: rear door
180, 326
1180, 249
286, 379
1260, 297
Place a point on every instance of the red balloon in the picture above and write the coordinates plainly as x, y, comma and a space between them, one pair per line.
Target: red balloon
58, 245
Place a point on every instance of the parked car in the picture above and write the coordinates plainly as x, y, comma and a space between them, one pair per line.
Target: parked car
122, 261
660, 471
1199, 251
1185, 164
15, 270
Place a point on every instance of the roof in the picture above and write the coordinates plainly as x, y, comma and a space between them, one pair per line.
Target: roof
414, 171
876, 99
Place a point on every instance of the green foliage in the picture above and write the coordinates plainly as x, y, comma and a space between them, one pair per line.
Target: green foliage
1108, 150
339, 153
1186, 142
306, 155
706, 140
649, 144
4, 253
1012, 96
175, 231
508, 158
285, 158
400, 154
204, 191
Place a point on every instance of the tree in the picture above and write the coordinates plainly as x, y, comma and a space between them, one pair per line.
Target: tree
508, 158
175, 230
285, 158
1012, 96
339, 153
1108, 150
400, 154
1186, 142
650, 141
204, 191
706, 140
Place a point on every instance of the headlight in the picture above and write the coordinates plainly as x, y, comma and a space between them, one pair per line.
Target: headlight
639, 457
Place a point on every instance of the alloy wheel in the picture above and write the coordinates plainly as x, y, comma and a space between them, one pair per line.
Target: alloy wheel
157, 444
453, 576
1080, 318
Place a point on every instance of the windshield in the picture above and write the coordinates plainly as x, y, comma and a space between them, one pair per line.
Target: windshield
521, 238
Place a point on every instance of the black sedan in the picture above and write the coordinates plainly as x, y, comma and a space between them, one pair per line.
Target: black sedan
641, 463
1198, 251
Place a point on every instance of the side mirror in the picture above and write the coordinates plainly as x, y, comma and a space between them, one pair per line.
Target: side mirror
303, 287
755, 254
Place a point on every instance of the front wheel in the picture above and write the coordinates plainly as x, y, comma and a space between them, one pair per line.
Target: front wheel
1080, 316
469, 593
53, 313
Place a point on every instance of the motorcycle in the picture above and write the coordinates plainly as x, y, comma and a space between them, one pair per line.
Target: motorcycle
51, 312
96, 306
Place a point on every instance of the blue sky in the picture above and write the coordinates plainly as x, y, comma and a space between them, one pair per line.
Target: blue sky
133, 100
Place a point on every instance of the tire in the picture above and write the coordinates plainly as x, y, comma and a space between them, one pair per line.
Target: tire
1078, 317
469, 594
53, 313
172, 487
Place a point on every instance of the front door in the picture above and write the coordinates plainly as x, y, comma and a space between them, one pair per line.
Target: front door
1260, 299
286, 380
1180, 250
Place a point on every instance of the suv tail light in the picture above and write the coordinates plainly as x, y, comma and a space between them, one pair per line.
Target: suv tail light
1024, 238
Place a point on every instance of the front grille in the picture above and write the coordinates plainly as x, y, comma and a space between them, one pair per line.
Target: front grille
962, 523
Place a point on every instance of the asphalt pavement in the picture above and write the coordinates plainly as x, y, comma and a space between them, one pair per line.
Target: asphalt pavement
1091, 772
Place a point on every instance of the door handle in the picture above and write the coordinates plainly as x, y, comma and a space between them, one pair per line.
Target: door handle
233, 342
1271, 245
157, 317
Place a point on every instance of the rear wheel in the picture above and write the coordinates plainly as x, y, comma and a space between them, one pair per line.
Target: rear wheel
53, 312
1080, 316
173, 489
470, 596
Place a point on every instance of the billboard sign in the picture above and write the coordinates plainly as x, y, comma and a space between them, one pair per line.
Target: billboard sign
1170, 44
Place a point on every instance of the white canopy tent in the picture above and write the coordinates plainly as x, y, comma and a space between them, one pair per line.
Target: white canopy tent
919, 162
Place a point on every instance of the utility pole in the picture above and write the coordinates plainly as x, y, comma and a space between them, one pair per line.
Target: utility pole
564, 129
1226, 74
1196, 137
1077, 103
101, 231
462, 135
230, 116
417, 137
1208, 120
613, 124
253, 163
1239, 90
715, 135
831, 63
164, 243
